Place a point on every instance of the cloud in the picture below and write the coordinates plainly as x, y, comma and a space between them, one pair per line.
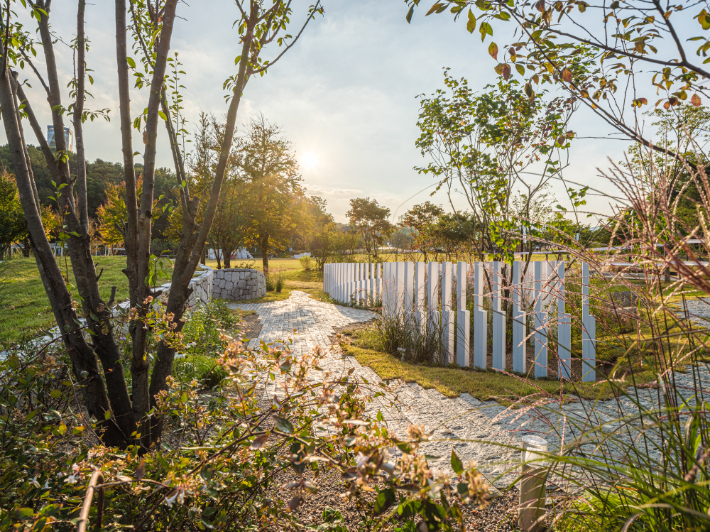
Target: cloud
346, 92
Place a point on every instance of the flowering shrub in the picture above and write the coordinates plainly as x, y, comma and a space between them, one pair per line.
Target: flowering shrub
243, 458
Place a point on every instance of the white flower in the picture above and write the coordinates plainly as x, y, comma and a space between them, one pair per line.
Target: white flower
178, 496
171, 500
46, 485
34, 481
361, 459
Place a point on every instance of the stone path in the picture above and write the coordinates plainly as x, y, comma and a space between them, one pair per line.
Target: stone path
452, 422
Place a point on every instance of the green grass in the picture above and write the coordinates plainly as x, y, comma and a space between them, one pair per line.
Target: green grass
24, 307
312, 288
452, 381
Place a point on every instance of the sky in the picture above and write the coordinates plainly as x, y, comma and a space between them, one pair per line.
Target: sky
344, 95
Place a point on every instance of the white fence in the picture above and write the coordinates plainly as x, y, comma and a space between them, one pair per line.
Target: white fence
422, 293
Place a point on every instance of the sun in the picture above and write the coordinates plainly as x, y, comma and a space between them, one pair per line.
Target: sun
309, 160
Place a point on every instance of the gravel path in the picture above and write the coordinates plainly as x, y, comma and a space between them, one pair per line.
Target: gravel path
453, 422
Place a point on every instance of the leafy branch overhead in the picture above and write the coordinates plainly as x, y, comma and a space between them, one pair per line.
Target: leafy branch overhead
596, 50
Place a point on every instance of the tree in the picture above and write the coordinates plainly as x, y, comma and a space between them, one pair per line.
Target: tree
370, 221
321, 239
604, 68
268, 169
231, 220
422, 218
486, 146
122, 418
12, 220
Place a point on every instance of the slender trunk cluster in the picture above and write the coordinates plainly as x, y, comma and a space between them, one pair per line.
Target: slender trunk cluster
122, 418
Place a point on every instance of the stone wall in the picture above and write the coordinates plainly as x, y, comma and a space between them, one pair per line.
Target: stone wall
238, 284
201, 285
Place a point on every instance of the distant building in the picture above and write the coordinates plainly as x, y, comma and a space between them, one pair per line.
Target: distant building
68, 138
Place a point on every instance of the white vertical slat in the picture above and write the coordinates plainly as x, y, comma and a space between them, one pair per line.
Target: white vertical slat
386, 289
433, 321
420, 296
448, 315
373, 282
399, 302
564, 327
498, 319
589, 332
518, 319
378, 283
463, 319
480, 320
408, 288
540, 325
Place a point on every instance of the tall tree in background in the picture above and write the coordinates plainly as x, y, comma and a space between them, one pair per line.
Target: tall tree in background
122, 416
422, 219
269, 170
12, 219
369, 220
320, 241
487, 146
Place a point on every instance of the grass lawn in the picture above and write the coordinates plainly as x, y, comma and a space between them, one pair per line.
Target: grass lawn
452, 380
24, 307
312, 288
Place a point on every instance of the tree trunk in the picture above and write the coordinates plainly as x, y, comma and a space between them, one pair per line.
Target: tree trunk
193, 238
26, 247
264, 245
227, 258
83, 359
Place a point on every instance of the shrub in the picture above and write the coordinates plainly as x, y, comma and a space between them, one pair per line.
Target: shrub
306, 263
227, 461
270, 283
280, 281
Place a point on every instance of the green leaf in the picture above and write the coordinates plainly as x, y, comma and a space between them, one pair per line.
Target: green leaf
162, 115
493, 50
283, 424
471, 24
131, 62
107, 414
456, 463
410, 13
384, 500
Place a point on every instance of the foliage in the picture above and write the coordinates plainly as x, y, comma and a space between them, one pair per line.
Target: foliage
306, 262
279, 282
601, 54
12, 219
486, 144
268, 172
322, 238
225, 466
369, 220
422, 219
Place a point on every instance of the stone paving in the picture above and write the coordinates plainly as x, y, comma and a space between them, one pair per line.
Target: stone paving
453, 422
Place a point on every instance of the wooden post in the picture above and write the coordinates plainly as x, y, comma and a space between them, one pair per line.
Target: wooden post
532, 484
